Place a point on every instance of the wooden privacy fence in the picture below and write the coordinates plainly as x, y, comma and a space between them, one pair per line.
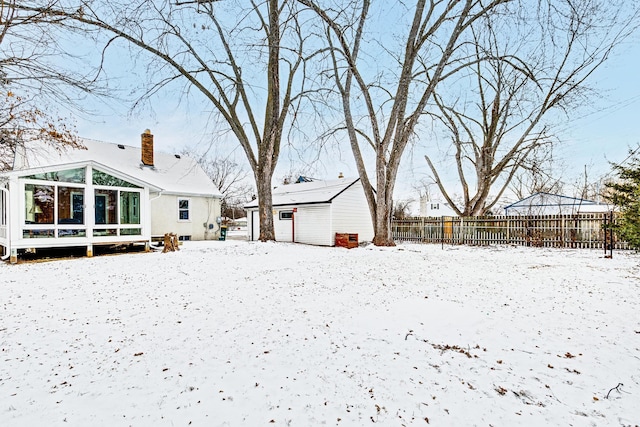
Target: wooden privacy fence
566, 231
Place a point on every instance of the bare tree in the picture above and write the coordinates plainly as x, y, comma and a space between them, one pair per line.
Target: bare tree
230, 177
428, 52
524, 72
538, 174
246, 59
22, 122
402, 209
34, 59
30, 81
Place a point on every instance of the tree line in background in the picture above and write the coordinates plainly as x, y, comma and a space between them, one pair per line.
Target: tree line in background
485, 79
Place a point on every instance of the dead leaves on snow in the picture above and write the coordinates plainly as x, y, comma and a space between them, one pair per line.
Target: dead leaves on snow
456, 349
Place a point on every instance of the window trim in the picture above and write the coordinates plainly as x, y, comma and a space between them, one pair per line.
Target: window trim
287, 217
188, 209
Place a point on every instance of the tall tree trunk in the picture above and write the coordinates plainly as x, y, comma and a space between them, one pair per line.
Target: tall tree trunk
271, 136
265, 209
216, 69
382, 227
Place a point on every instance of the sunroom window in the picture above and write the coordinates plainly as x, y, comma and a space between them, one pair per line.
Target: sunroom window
106, 205
70, 205
49, 205
102, 178
118, 208
39, 204
62, 208
75, 176
129, 207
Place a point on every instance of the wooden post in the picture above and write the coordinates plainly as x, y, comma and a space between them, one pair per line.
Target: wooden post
13, 258
89, 251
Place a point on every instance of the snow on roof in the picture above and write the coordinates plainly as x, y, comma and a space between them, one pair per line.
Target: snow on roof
173, 174
548, 201
304, 193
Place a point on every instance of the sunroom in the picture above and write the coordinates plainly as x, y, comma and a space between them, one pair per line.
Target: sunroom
73, 205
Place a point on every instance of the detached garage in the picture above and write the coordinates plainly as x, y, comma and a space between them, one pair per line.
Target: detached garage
313, 212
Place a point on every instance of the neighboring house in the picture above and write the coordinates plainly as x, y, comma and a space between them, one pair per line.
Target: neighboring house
313, 212
103, 195
554, 204
433, 208
239, 223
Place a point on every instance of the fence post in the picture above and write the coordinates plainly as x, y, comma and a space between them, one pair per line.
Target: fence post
609, 230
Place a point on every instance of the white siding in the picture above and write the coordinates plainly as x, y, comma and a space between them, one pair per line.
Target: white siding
316, 224
313, 225
282, 227
202, 210
350, 214
4, 218
253, 224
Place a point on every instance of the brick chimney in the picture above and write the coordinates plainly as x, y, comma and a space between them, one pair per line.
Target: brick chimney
147, 148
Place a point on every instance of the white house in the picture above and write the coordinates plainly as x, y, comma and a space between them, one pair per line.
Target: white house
554, 204
103, 195
435, 207
313, 212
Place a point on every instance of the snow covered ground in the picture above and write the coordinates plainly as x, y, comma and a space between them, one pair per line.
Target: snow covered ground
257, 334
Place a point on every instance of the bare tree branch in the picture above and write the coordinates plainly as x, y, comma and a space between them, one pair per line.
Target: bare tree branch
516, 85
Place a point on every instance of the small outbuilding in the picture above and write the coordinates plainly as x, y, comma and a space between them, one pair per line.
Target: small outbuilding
554, 204
104, 194
312, 212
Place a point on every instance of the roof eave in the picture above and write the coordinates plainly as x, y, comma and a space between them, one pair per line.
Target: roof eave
315, 202
186, 193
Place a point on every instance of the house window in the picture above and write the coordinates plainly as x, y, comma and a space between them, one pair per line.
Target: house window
39, 204
71, 175
286, 215
131, 231
183, 209
106, 205
70, 205
101, 178
117, 208
129, 207
60, 209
